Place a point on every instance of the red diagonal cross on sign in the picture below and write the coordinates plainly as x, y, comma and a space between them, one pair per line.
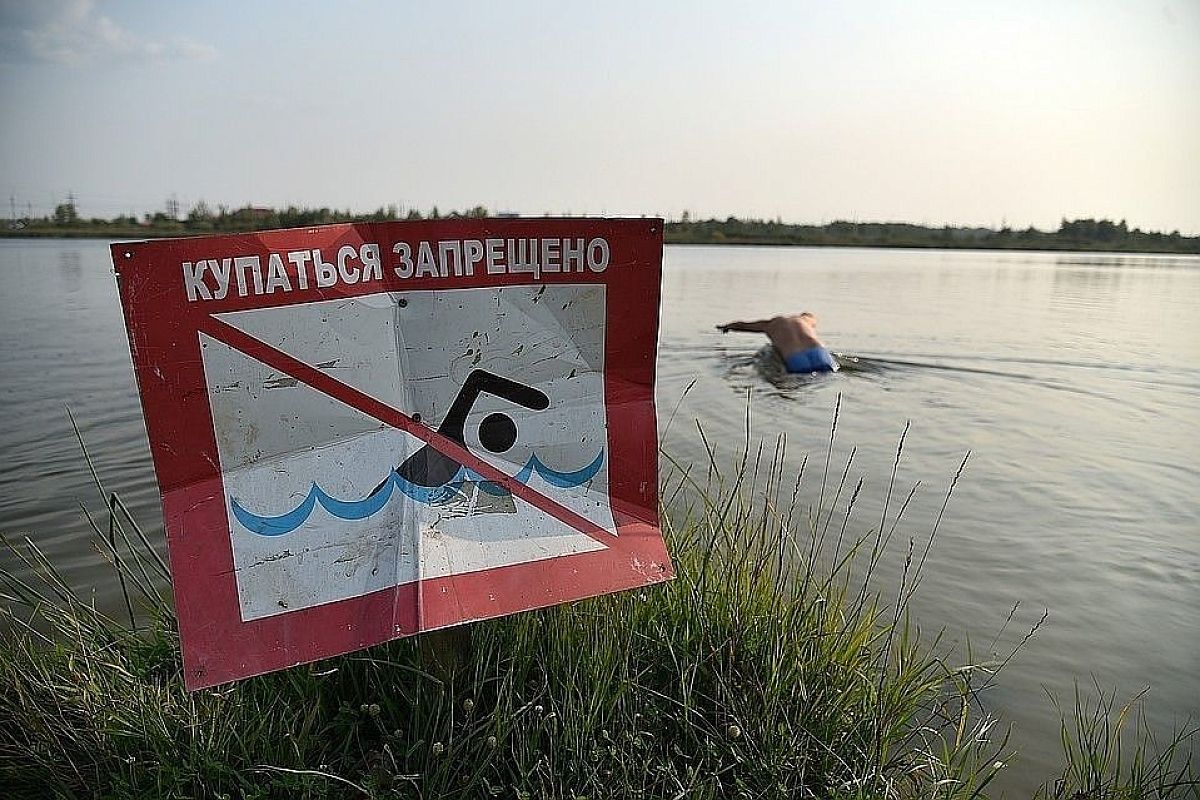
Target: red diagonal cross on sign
559, 293
322, 382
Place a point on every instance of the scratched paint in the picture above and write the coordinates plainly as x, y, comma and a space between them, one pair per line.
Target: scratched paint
278, 437
368, 431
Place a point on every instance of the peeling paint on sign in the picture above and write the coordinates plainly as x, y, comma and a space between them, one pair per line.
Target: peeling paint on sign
419, 444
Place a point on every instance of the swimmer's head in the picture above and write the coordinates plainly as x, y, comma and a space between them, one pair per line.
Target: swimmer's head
811, 317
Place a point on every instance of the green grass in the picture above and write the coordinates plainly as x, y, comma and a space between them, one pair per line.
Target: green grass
771, 667
1111, 752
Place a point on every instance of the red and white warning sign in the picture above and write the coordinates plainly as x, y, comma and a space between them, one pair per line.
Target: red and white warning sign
366, 431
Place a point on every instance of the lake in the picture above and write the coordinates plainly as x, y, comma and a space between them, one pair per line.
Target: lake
1071, 378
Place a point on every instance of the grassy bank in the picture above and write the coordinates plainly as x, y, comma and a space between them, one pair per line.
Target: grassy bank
769, 668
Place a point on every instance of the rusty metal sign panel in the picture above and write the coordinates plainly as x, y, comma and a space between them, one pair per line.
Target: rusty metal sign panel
367, 431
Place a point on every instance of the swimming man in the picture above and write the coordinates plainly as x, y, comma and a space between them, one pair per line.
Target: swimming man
795, 339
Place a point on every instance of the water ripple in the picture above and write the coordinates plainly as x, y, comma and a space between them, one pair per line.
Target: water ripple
373, 503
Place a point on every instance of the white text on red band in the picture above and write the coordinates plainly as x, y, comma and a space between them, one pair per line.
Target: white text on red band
298, 270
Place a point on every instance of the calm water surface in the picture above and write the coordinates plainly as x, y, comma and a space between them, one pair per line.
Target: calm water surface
1071, 378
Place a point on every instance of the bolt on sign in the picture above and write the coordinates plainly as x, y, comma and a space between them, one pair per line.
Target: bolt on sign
366, 431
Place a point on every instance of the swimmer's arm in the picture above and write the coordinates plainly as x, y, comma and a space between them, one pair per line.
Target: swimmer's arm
757, 326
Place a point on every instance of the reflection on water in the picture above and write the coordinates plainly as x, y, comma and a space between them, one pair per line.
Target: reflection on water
1071, 377
1123, 261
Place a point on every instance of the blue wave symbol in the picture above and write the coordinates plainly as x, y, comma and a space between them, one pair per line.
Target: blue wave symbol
374, 502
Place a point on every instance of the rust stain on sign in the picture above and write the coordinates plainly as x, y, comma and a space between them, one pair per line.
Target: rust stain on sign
364, 431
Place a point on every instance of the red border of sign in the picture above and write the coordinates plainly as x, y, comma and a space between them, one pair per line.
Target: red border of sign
163, 331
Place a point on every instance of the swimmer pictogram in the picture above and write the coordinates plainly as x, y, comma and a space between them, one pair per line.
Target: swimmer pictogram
341, 466
429, 475
497, 432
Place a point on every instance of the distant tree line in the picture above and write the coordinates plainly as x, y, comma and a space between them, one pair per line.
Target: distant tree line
1079, 234
203, 218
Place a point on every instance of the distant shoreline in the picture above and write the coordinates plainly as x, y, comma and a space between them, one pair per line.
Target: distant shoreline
1038, 248
1044, 248
1084, 236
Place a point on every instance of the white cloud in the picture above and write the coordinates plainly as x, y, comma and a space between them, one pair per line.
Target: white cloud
75, 32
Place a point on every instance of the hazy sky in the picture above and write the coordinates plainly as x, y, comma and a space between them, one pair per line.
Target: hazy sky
935, 112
